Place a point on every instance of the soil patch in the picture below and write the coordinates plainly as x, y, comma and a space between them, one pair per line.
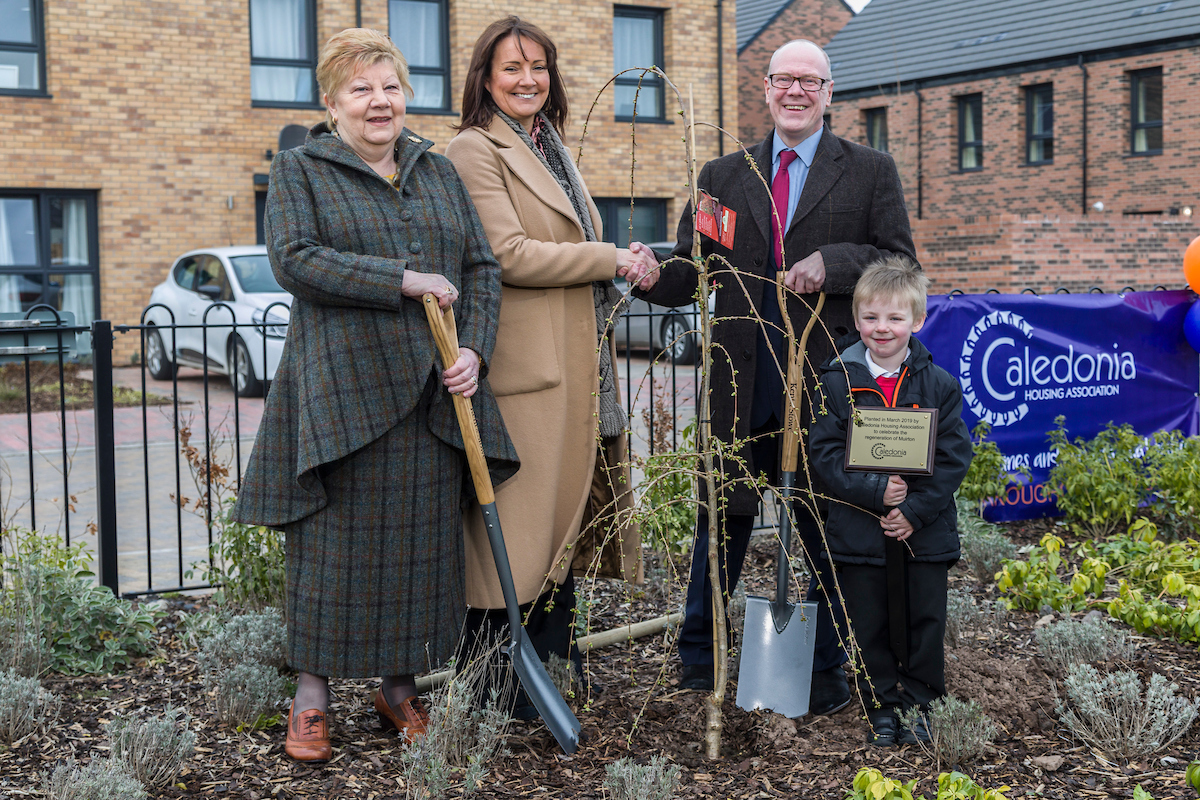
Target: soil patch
634, 709
43, 392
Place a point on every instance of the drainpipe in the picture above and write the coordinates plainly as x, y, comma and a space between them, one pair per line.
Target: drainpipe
358, 13
920, 175
720, 78
1083, 197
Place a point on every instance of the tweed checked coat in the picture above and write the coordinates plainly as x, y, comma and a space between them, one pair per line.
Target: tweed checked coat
545, 376
358, 353
851, 209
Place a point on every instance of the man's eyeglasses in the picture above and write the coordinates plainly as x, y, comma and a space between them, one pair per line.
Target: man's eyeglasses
809, 83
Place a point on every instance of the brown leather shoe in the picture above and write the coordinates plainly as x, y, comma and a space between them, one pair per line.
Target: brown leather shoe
307, 736
412, 720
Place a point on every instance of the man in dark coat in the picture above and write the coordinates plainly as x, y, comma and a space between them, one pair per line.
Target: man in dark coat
846, 209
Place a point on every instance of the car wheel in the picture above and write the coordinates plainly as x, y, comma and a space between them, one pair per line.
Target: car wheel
158, 363
679, 340
241, 371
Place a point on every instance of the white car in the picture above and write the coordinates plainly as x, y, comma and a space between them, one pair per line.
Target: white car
223, 306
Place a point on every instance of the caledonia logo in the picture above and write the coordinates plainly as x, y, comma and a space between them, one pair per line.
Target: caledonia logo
1003, 369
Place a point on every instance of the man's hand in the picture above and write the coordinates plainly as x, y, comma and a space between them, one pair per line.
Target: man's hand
895, 492
896, 526
807, 276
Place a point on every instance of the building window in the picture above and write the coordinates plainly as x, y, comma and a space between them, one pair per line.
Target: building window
1039, 124
283, 50
649, 220
419, 28
970, 132
638, 43
49, 252
22, 68
877, 128
1147, 111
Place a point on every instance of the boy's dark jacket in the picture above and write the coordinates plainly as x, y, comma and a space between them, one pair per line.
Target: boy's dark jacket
855, 536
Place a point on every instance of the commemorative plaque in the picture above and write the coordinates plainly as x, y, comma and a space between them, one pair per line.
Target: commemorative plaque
898, 441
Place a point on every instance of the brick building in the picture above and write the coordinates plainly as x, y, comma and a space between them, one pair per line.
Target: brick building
762, 27
140, 129
1039, 146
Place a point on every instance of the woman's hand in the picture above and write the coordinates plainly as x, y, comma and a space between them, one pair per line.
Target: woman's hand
463, 376
418, 284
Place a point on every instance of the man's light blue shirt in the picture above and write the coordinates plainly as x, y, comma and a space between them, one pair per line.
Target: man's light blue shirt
806, 151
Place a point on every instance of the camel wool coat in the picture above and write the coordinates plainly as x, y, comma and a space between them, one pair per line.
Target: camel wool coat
545, 377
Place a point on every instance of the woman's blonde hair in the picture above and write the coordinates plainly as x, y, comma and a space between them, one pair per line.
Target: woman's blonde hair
350, 52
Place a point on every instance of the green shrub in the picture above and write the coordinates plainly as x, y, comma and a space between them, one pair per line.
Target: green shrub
1099, 484
154, 749
99, 780
667, 506
257, 638
870, 784
247, 562
984, 546
1108, 711
24, 707
85, 627
959, 731
464, 734
248, 695
627, 780
1036, 582
1070, 642
986, 478
22, 648
1174, 464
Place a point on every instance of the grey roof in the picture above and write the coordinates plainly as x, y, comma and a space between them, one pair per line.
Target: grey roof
753, 16
906, 40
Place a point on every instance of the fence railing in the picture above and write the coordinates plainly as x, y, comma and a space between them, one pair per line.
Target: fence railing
133, 492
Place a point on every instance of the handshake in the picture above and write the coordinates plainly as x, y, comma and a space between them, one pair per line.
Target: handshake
638, 265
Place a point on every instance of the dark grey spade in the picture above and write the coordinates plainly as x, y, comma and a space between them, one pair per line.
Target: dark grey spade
779, 638
529, 668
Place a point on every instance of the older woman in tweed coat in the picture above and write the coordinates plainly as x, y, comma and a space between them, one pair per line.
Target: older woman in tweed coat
359, 457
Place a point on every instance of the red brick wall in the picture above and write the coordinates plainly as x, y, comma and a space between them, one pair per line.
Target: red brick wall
817, 21
1044, 252
1006, 184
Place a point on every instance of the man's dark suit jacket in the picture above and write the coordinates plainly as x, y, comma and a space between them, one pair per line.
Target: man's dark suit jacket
851, 209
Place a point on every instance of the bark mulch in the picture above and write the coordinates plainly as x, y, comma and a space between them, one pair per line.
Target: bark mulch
635, 710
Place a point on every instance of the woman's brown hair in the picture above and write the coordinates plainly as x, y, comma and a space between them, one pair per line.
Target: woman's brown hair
478, 108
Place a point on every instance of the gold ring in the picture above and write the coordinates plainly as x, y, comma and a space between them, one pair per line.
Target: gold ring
474, 380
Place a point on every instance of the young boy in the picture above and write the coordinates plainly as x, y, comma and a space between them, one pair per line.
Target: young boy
885, 366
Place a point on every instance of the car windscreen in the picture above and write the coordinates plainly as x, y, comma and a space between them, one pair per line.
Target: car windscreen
254, 274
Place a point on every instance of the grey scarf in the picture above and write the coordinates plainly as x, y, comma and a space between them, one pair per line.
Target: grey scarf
557, 160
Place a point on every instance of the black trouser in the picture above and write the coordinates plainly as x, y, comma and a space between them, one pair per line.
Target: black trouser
923, 676
695, 636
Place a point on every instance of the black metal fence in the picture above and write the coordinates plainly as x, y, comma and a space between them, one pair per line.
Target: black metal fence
133, 503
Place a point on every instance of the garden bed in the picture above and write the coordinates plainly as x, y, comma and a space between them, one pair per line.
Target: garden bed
764, 756
44, 392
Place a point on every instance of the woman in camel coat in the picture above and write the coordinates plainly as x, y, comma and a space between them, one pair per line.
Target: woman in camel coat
569, 506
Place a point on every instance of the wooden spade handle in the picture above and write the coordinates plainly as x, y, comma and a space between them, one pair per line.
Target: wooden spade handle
795, 377
445, 336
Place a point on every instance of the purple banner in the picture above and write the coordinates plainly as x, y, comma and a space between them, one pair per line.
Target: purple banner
1024, 359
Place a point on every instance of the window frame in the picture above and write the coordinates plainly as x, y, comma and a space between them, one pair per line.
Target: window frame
310, 63
1032, 93
966, 102
1136, 81
444, 69
37, 48
612, 216
43, 266
869, 117
657, 15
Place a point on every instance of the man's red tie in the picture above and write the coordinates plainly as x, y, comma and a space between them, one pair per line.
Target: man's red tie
780, 187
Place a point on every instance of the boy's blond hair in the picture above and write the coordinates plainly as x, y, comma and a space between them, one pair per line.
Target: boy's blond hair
895, 276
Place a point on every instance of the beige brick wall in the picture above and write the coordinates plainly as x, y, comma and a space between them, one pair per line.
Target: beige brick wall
150, 106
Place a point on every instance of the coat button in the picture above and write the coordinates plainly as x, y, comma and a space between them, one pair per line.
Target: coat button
414, 247
405, 215
745, 355
758, 261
